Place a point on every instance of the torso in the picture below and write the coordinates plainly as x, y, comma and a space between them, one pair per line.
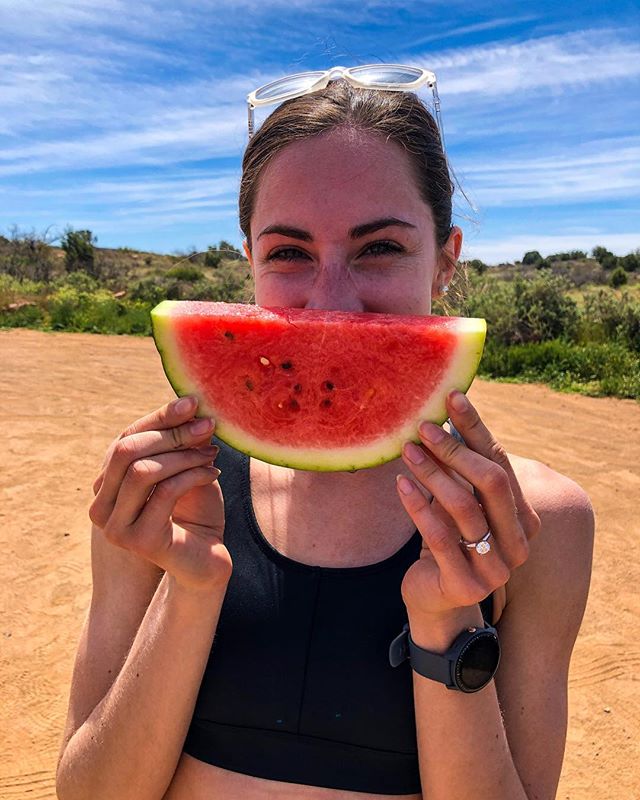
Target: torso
360, 535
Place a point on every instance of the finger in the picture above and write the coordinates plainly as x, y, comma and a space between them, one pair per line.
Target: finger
168, 416
478, 438
120, 501
457, 579
468, 518
457, 501
492, 489
142, 445
149, 532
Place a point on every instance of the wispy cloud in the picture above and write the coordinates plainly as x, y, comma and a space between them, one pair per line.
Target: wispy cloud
576, 59
479, 27
597, 170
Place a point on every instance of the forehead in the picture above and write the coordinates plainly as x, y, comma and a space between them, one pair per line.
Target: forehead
342, 178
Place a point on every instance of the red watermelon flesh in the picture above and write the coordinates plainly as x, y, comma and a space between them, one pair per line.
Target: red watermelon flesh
315, 389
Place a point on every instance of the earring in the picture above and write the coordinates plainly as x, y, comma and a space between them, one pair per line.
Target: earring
444, 289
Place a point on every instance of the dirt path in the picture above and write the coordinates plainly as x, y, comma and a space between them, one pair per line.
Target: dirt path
65, 396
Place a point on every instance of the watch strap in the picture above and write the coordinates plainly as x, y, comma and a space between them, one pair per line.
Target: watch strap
435, 666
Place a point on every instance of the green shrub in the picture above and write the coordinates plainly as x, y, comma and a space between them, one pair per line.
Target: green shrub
185, 272
600, 369
31, 316
606, 317
98, 312
618, 278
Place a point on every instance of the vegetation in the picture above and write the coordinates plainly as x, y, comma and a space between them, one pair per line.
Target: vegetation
567, 319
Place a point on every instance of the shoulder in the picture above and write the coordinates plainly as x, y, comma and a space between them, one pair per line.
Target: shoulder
557, 572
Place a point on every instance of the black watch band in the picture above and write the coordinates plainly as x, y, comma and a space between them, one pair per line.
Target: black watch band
468, 665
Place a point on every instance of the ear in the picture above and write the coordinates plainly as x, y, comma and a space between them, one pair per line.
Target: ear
447, 266
247, 253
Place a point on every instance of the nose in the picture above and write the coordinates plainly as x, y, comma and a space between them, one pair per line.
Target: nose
334, 289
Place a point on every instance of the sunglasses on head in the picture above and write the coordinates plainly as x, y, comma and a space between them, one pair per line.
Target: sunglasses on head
387, 77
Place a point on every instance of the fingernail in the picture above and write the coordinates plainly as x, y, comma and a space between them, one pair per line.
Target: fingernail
184, 405
431, 432
200, 426
209, 450
459, 401
414, 453
405, 486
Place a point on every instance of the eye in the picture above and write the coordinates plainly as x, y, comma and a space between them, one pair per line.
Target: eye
285, 254
383, 248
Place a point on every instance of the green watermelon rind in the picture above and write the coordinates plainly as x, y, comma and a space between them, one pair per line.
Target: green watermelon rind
460, 376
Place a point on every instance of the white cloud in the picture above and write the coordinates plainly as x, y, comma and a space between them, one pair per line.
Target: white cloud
597, 170
577, 59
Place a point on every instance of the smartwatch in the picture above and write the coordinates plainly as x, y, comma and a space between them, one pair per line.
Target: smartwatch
467, 666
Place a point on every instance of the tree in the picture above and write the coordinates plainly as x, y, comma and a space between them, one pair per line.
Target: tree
228, 251
600, 252
80, 253
532, 257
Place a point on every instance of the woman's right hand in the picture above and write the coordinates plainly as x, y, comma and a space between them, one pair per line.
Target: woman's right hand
158, 496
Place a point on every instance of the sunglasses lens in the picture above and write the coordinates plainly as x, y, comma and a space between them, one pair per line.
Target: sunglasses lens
291, 84
386, 73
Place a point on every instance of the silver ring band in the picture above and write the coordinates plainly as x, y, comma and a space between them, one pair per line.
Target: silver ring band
480, 547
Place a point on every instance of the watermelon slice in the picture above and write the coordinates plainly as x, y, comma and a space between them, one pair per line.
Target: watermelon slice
311, 389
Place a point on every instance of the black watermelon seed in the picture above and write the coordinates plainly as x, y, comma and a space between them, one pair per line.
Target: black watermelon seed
287, 365
297, 388
294, 405
229, 335
249, 384
328, 386
325, 403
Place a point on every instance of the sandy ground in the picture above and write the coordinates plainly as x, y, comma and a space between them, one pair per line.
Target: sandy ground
65, 396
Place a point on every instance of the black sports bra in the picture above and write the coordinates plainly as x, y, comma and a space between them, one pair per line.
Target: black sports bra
298, 685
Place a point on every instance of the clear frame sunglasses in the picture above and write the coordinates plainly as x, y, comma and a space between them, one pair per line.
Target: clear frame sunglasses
388, 77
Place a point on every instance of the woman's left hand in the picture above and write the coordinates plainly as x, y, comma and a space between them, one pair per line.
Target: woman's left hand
448, 576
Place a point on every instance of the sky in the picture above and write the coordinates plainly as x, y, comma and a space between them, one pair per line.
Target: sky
129, 119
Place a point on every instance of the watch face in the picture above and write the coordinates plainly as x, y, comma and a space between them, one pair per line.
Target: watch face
478, 662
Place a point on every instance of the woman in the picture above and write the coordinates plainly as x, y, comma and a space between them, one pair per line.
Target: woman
345, 204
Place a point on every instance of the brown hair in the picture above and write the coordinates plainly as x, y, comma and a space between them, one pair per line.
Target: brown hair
399, 116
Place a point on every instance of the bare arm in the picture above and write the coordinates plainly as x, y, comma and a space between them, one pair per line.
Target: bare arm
160, 572
508, 740
541, 548
130, 744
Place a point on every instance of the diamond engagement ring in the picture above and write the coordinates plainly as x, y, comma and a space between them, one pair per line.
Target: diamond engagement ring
480, 547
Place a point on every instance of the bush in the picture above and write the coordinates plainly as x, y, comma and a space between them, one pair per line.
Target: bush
599, 369
212, 258
608, 318
185, 272
618, 278
28, 316
27, 255
99, 312
525, 310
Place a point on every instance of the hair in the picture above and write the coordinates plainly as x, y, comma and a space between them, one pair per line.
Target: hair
400, 117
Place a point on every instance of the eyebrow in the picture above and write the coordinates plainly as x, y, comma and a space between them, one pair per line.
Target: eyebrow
355, 233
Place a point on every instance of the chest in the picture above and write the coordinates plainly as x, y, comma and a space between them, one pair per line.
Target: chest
328, 530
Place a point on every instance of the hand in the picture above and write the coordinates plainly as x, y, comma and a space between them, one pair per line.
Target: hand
448, 577
158, 496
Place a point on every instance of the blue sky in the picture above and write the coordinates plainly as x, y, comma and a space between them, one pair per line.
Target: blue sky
130, 118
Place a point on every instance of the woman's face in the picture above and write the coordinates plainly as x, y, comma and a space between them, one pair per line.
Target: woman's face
339, 224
